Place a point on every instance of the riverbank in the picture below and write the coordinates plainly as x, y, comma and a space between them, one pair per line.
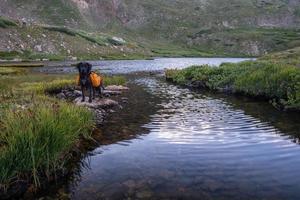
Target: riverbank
279, 83
41, 129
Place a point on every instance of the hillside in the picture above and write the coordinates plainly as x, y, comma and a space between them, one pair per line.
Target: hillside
206, 27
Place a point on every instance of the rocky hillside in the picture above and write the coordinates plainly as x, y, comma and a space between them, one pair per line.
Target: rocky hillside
222, 27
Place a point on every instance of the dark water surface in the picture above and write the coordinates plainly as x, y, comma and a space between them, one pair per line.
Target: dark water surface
173, 143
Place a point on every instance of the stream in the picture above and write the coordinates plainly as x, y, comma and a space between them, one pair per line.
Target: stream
169, 142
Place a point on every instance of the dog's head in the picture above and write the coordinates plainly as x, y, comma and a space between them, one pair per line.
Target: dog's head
84, 70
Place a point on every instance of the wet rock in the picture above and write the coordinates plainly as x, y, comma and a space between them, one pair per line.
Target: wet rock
97, 103
99, 115
116, 88
124, 100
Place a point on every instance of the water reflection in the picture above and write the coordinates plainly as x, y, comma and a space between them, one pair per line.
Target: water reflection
198, 146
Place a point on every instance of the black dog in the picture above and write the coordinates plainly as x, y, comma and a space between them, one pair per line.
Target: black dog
85, 70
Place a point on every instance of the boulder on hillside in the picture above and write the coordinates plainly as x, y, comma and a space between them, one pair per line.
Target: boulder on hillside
116, 41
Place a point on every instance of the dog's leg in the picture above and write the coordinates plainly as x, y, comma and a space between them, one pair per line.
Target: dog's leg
91, 91
94, 92
82, 91
100, 91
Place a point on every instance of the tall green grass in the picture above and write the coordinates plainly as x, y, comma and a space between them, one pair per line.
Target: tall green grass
35, 141
275, 81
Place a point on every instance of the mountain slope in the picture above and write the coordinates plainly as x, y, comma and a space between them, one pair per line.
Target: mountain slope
222, 27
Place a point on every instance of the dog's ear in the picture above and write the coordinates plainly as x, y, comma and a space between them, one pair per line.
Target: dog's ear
89, 66
78, 65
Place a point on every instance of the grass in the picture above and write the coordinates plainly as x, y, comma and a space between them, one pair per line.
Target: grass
36, 140
11, 65
101, 40
38, 132
5, 23
277, 82
28, 55
11, 71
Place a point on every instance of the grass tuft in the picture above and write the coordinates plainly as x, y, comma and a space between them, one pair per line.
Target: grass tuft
35, 141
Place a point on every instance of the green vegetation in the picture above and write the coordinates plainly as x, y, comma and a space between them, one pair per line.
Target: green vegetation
101, 40
11, 71
38, 132
61, 29
277, 82
5, 23
29, 55
114, 80
35, 141
290, 57
20, 65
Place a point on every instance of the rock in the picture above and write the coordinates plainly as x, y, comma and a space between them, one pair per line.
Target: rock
99, 115
61, 95
116, 88
97, 103
124, 100
77, 93
38, 48
117, 41
73, 58
111, 92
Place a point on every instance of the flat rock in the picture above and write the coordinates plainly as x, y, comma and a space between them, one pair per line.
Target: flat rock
116, 88
111, 92
97, 103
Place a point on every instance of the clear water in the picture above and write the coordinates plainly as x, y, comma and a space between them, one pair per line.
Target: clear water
173, 143
193, 146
